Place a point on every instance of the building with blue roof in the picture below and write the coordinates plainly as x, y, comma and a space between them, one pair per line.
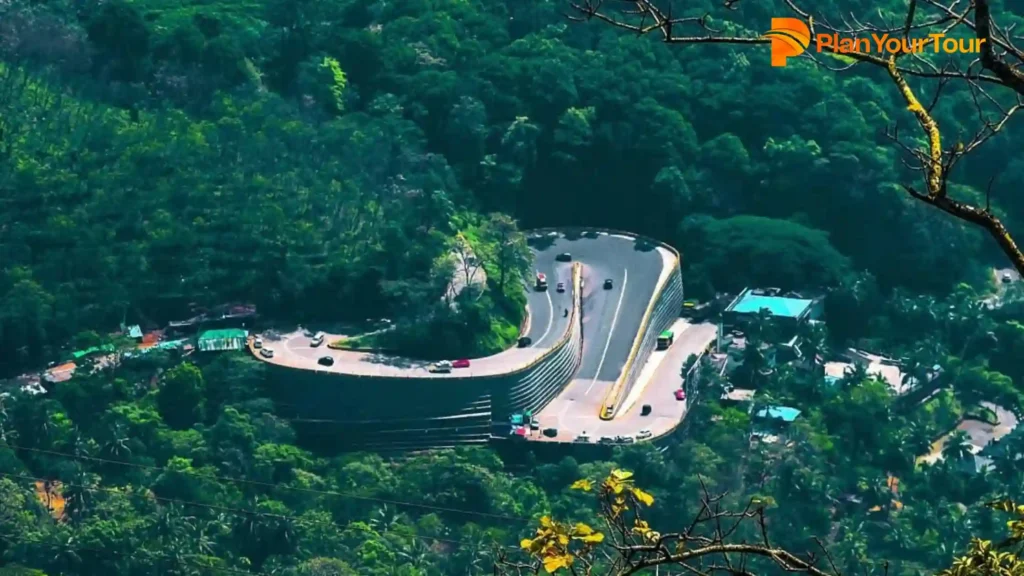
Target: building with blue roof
780, 413
786, 310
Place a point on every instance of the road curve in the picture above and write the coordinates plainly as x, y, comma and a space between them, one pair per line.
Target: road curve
611, 318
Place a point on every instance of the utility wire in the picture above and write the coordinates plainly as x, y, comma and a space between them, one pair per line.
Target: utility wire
397, 503
225, 509
154, 555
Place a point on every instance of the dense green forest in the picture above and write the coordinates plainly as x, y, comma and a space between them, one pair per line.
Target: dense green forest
319, 159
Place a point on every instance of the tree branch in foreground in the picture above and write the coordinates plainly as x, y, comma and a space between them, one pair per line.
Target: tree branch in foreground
713, 542
998, 55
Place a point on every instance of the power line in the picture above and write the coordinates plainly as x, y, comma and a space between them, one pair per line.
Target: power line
225, 509
154, 555
276, 485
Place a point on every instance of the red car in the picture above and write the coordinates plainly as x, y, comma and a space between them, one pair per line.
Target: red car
680, 394
460, 363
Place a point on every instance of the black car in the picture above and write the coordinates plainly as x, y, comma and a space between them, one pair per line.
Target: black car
550, 432
560, 287
525, 341
564, 257
645, 410
326, 361
608, 284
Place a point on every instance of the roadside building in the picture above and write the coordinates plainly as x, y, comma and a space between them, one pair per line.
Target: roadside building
788, 311
221, 340
770, 422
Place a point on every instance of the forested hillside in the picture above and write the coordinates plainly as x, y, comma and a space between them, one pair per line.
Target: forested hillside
321, 158
300, 154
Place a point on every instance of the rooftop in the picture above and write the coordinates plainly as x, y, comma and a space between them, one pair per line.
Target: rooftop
750, 303
225, 334
784, 413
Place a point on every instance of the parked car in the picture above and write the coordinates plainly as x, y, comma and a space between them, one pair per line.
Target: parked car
608, 284
550, 432
560, 287
1007, 278
534, 425
525, 341
257, 342
317, 340
606, 440
680, 394
582, 438
442, 367
267, 352
461, 363
643, 434
564, 257
326, 361
645, 409
625, 439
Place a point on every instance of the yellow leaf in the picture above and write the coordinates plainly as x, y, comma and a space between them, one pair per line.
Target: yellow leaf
585, 485
545, 521
583, 530
643, 497
621, 475
594, 538
526, 544
552, 563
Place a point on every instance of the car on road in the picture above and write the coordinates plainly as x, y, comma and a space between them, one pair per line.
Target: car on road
606, 440
608, 284
645, 409
550, 432
643, 434
1007, 278
534, 425
326, 361
564, 257
442, 367
560, 287
625, 439
525, 341
267, 352
257, 342
317, 340
461, 363
680, 394
582, 438
542, 281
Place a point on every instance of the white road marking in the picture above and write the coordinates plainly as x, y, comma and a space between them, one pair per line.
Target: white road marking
551, 317
615, 318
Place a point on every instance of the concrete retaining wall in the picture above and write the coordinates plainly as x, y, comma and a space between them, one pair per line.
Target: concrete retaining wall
377, 413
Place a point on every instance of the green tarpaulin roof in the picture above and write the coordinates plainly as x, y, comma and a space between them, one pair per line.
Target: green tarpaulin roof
82, 353
225, 334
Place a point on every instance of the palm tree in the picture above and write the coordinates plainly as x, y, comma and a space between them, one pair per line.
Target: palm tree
958, 447
854, 377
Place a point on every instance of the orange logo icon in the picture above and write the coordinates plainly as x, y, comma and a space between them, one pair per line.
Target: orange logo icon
790, 38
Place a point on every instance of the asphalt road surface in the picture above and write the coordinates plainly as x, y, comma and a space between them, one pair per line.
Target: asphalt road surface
575, 410
611, 318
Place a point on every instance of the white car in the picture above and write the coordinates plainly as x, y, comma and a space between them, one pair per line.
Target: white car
267, 352
257, 342
317, 340
583, 438
442, 367
643, 434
